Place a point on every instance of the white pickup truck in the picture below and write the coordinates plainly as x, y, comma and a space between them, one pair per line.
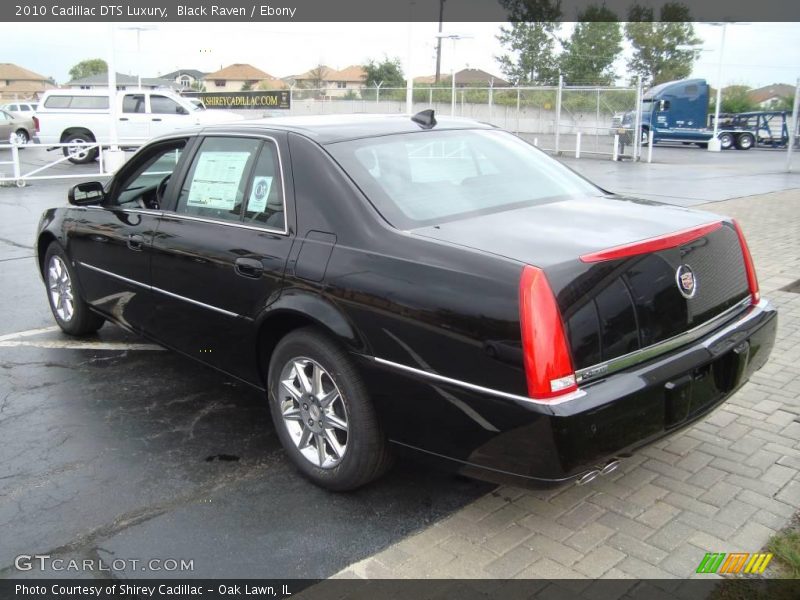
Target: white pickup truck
73, 116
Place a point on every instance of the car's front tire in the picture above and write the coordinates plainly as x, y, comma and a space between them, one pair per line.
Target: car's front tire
322, 413
71, 313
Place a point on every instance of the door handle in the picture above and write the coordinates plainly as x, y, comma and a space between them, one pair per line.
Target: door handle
248, 267
135, 242
156, 119
123, 118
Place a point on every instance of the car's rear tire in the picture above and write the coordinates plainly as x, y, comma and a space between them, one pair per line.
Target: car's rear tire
64, 295
20, 137
77, 155
322, 413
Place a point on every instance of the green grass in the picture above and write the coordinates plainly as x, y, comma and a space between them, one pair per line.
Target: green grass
779, 581
785, 545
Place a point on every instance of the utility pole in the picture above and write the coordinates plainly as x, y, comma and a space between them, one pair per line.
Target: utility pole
439, 44
455, 37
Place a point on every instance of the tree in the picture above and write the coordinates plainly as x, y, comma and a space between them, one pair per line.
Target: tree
388, 71
529, 41
247, 86
388, 74
198, 86
86, 68
593, 47
656, 57
317, 77
735, 99
532, 11
783, 103
532, 56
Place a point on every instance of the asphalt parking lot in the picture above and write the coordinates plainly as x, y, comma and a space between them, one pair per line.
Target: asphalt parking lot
115, 449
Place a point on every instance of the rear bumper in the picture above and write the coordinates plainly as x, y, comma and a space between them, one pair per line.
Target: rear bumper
612, 417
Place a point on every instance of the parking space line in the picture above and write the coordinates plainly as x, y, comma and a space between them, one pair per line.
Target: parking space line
78, 345
20, 338
28, 333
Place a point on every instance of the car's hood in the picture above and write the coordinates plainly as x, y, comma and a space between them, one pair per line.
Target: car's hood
559, 231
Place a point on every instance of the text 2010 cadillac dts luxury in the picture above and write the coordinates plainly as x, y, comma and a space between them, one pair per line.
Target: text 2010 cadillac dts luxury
394, 283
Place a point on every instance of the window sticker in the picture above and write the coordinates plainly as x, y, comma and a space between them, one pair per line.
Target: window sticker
216, 180
259, 195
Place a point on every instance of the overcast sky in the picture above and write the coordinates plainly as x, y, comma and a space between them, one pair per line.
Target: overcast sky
756, 54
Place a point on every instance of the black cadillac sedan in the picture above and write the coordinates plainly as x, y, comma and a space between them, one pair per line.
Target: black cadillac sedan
397, 284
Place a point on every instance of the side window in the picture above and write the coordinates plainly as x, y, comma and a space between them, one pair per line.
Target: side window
144, 185
133, 103
265, 195
89, 102
161, 105
57, 102
217, 181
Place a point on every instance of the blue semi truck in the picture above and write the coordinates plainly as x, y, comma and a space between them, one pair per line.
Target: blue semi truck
677, 111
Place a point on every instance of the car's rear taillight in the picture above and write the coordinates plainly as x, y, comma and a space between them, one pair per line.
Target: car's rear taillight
750, 268
36, 124
548, 363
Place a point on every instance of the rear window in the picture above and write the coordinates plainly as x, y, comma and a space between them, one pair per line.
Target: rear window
419, 179
67, 101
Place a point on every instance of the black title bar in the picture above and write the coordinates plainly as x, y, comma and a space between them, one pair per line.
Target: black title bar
382, 10
463, 589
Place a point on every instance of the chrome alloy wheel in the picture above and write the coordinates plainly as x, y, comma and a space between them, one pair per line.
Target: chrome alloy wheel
78, 152
313, 412
60, 286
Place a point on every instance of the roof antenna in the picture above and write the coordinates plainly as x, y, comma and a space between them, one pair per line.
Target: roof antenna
425, 119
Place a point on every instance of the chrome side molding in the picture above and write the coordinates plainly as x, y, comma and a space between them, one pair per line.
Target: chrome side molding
160, 291
477, 388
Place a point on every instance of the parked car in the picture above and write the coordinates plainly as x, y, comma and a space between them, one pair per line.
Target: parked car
374, 276
15, 129
84, 117
23, 109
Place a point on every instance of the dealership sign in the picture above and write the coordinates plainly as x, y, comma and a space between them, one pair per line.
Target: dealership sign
256, 99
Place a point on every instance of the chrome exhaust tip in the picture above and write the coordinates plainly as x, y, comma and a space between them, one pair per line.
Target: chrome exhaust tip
588, 477
610, 467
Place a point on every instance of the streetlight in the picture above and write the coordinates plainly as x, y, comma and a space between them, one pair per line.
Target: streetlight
714, 144
139, 29
454, 37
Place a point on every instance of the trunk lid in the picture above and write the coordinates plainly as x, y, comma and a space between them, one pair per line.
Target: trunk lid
616, 307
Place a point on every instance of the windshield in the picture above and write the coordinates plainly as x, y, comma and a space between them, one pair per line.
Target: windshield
419, 179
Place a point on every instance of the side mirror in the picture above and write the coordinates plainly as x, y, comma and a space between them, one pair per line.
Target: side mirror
86, 194
181, 111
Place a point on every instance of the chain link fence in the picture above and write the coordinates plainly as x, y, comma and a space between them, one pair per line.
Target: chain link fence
559, 119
